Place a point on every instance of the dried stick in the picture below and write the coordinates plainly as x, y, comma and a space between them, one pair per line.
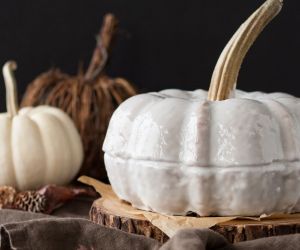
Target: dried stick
104, 40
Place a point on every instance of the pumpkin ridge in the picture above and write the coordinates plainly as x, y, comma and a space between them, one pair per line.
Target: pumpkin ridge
43, 149
23, 161
11, 153
205, 166
66, 151
286, 126
69, 128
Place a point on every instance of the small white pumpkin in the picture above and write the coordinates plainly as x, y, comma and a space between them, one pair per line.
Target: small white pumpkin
179, 151
38, 146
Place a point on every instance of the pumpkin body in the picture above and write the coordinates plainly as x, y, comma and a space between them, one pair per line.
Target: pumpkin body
175, 152
38, 146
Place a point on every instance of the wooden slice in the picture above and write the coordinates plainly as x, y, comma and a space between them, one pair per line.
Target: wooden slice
106, 214
243, 230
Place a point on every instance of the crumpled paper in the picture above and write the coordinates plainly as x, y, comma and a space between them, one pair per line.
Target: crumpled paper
171, 224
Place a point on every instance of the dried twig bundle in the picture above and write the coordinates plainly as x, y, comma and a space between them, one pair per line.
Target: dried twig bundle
89, 98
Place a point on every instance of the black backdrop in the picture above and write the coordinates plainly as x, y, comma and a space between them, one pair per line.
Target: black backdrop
161, 44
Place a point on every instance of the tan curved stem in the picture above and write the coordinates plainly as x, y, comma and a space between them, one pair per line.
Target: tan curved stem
226, 71
11, 87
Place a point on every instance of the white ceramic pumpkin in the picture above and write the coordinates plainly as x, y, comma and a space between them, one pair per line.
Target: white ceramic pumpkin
176, 151
38, 146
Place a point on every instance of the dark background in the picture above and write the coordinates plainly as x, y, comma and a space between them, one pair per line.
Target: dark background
161, 44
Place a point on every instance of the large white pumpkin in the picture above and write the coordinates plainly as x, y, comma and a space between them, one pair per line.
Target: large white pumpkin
38, 146
178, 151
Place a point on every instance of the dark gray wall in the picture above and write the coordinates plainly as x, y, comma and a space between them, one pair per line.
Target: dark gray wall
162, 44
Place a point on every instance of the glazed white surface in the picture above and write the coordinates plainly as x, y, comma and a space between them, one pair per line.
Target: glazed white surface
175, 152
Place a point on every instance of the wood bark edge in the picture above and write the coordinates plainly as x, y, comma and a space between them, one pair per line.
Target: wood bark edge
226, 71
233, 232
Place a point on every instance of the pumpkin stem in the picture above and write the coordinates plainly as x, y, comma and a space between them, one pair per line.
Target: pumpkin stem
11, 87
226, 71
100, 54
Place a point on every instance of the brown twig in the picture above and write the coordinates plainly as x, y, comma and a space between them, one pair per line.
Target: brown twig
104, 40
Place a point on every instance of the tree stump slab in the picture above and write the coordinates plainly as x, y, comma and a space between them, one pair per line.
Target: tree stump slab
234, 231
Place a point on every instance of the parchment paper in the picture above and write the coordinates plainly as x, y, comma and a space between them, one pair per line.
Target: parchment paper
171, 224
